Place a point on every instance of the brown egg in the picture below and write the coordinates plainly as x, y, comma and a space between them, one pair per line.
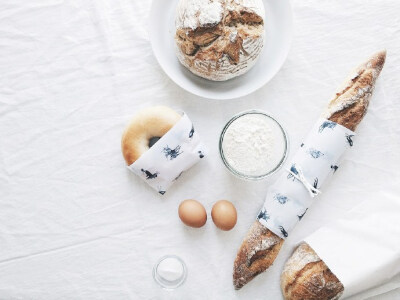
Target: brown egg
192, 213
224, 215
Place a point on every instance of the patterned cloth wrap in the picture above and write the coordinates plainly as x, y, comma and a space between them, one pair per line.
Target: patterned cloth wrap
317, 159
175, 152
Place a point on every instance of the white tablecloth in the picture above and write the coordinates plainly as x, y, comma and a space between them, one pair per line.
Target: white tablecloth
75, 224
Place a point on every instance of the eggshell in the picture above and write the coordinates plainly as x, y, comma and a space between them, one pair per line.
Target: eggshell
224, 215
192, 213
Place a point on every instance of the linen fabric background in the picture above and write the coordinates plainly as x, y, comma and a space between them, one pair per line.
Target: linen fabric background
76, 223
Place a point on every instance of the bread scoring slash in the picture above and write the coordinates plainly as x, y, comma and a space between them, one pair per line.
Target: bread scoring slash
261, 246
306, 276
219, 39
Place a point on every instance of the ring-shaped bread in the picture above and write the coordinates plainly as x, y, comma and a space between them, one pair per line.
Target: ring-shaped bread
149, 123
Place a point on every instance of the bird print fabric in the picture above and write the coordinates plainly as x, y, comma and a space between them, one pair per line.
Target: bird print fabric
318, 157
165, 162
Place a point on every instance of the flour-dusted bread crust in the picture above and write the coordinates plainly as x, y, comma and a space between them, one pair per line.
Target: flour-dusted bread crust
350, 103
259, 249
219, 39
347, 108
306, 276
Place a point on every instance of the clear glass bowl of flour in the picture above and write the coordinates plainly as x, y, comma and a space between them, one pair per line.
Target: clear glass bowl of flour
253, 145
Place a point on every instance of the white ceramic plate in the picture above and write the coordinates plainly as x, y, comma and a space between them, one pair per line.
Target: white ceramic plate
278, 26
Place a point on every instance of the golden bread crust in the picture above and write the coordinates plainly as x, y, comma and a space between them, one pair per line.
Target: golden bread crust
259, 249
350, 104
306, 276
148, 123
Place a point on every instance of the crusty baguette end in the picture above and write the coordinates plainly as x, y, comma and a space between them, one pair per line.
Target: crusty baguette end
306, 276
257, 253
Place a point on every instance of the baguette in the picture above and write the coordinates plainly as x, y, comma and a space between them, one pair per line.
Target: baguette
348, 107
306, 276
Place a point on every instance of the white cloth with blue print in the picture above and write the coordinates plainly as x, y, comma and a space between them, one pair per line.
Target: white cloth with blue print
175, 152
317, 159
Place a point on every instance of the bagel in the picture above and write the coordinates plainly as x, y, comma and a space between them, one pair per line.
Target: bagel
145, 128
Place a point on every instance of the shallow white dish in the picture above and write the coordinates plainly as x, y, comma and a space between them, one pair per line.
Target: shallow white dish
278, 26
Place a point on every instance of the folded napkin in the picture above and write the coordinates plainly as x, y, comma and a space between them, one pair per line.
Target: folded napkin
175, 152
363, 247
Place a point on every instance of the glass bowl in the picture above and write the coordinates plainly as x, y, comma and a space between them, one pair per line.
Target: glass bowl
279, 155
174, 273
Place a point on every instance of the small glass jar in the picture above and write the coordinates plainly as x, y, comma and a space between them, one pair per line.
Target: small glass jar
170, 272
279, 148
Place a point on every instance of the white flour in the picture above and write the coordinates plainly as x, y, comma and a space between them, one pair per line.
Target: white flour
250, 144
252, 5
170, 269
197, 13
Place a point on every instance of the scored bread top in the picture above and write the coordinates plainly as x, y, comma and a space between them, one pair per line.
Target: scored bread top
219, 39
306, 276
192, 14
350, 103
301, 257
258, 250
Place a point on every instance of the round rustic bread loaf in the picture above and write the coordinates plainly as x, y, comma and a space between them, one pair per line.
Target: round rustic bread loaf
219, 39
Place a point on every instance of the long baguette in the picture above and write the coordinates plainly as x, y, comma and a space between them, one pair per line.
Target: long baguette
348, 107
